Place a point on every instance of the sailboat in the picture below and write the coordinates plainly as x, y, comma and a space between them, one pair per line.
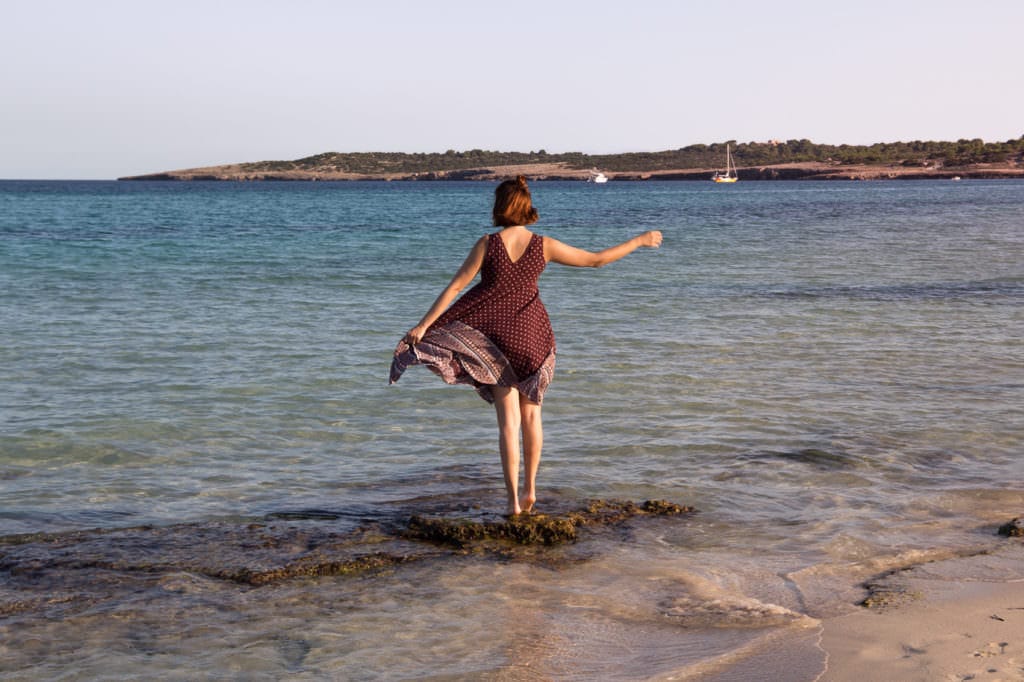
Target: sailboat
730, 170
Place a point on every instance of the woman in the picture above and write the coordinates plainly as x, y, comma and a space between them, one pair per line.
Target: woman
498, 337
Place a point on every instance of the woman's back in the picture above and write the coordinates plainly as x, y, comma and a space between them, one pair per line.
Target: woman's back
506, 306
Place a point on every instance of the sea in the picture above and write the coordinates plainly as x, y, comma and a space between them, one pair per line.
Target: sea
194, 393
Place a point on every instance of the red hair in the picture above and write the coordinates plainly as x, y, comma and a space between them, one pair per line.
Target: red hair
513, 205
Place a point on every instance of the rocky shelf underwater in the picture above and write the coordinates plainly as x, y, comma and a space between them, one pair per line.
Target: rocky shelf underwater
58, 574
76, 569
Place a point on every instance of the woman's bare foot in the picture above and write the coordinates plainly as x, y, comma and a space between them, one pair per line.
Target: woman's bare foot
527, 502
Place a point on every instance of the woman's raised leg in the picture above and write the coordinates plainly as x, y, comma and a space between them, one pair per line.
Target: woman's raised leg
506, 404
533, 442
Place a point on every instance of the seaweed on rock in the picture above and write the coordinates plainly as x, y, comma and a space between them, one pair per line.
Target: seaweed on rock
535, 529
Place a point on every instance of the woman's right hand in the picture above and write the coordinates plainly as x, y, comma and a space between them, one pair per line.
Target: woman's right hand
415, 335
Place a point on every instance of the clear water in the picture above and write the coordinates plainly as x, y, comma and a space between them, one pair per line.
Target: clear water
832, 373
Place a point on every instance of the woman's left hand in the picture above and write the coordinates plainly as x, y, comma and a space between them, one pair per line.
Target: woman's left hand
651, 239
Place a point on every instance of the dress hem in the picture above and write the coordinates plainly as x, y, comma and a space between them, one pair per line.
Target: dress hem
460, 354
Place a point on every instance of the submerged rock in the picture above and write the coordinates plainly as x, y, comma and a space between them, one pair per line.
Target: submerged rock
61, 573
1014, 528
313, 566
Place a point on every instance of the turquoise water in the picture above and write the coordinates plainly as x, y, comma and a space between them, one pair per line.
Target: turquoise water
832, 373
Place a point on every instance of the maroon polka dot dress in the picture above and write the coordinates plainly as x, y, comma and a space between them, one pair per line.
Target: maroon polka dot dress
497, 333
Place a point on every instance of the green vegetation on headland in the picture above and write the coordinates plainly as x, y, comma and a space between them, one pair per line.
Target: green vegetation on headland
792, 159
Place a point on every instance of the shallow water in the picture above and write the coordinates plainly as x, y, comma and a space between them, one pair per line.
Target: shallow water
831, 373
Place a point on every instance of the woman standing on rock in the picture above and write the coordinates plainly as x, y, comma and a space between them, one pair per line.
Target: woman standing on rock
497, 337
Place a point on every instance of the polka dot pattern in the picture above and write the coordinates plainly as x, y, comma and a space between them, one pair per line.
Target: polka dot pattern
505, 306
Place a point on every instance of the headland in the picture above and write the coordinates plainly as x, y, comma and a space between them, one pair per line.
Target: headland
773, 160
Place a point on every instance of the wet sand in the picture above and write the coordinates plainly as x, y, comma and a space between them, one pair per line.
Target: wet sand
961, 619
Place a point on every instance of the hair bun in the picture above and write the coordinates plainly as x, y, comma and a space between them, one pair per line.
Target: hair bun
521, 179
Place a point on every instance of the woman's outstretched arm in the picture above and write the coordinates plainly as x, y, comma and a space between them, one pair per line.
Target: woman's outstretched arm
464, 276
559, 252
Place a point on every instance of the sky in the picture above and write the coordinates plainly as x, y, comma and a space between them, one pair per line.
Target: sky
110, 88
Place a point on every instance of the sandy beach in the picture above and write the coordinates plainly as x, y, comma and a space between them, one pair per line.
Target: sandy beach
961, 619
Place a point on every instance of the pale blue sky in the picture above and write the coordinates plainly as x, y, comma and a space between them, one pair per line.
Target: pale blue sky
106, 88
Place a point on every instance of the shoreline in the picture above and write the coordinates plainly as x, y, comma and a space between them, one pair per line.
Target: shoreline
962, 619
560, 171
